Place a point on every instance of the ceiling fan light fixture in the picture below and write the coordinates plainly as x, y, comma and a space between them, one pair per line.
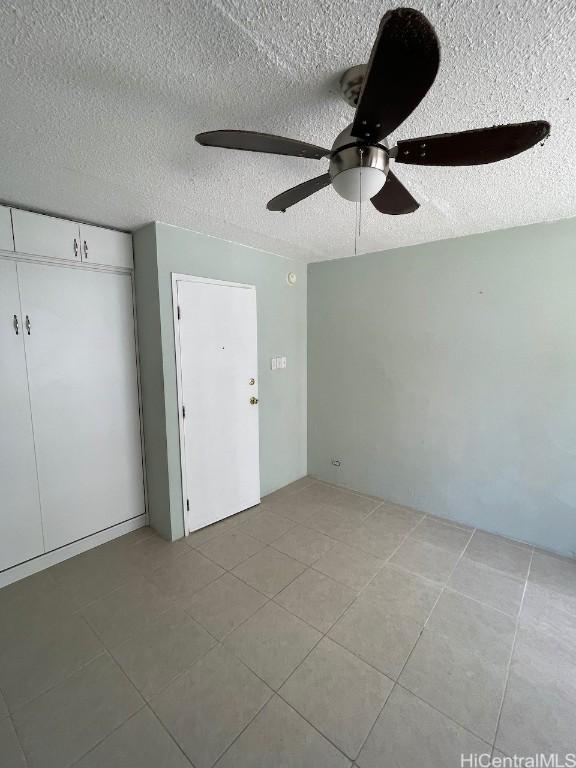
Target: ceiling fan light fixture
359, 183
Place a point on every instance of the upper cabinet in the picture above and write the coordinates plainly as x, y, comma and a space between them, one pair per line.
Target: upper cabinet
105, 246
6, 241
42, 235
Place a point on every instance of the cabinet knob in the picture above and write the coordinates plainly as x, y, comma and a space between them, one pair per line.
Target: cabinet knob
28, 325
75, 248
16, 325
85, 250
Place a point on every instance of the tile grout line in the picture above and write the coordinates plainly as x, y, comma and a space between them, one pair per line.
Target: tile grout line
415, 644
511, 656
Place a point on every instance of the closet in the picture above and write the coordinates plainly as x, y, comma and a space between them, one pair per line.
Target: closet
70, 449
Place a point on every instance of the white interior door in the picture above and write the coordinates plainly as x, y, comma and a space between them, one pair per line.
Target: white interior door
218, 363
20, 521
83, 388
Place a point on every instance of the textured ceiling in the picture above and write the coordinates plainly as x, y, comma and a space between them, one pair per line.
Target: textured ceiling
101, 99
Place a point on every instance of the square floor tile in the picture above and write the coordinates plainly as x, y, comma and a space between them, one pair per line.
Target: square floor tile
304, 544
279, 738
557, 574
546, 658
335, 522
224, 604
272, 643
289, 490
231, 549
316, 598
167, 649
180, 579
461, 684
39, 662
535, 718
296, 507
95, 573
202, 535
410, 734
390, 518
487, 585
141, 742
377, 542
64, 723
126, 611
499, 553
11, 754
349, 566
30, 606
484, 630
269, 571
425, 559
441, 535
207, 708
265, 525
338, 694
541, 611
339, 498
154, 552
404, 593
380, 636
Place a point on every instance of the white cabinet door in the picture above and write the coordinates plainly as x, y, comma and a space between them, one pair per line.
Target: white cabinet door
105, 246
218, 370
20, 521
6, 240
83, 389
45, 235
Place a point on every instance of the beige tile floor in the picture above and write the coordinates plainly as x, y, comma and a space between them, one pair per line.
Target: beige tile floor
323, 628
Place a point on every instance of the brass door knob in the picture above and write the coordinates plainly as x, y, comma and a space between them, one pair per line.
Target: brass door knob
253, 401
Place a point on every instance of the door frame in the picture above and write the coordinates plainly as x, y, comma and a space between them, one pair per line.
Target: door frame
178, 277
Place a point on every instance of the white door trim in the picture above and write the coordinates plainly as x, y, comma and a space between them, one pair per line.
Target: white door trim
176, 278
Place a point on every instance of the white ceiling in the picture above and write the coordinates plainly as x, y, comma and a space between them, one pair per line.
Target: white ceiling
101, 99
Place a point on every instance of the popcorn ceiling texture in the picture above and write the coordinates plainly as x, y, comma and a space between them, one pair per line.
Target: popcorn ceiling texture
101, 99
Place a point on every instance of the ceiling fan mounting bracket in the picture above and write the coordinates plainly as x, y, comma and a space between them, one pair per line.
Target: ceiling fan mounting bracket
351, 84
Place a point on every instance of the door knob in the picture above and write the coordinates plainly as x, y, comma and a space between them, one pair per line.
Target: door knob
253, 401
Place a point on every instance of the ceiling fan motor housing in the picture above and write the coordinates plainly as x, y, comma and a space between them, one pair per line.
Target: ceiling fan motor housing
357, 170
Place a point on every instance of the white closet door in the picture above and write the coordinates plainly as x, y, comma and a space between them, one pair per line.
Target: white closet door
83, 387
20, 521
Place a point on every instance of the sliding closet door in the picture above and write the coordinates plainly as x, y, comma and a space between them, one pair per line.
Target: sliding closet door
82, 371
20, 522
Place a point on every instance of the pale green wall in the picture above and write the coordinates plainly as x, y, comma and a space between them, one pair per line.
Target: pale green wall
281, 331
444, 377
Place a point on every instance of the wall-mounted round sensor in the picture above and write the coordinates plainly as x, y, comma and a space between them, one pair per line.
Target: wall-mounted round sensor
291, 278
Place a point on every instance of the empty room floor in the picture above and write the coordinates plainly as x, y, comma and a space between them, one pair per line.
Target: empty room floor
322, 628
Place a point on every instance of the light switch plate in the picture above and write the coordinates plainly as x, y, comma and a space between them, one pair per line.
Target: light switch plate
282, 362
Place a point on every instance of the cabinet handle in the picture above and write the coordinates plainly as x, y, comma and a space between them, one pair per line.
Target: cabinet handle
16, 325
85, 250
75, 248
28, 325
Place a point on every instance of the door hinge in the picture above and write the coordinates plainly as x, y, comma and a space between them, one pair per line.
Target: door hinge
179, 315
183, 411
187, 505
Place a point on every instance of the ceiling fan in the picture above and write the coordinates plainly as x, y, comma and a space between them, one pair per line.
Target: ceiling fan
402, 67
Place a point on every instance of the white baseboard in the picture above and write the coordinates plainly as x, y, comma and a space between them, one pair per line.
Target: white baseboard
41, 562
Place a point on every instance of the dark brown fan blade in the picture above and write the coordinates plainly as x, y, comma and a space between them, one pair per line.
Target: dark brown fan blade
402, 67
477, 147
294, 195
394, 198
251, 141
